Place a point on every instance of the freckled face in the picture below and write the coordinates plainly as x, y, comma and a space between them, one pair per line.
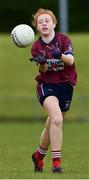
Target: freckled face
45, 24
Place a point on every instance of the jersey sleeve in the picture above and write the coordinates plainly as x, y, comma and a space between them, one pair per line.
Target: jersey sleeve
34, 50
66, 45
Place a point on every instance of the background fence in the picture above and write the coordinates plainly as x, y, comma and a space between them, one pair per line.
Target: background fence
29, 109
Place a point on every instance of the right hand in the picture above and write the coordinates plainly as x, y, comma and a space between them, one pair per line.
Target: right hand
40, 59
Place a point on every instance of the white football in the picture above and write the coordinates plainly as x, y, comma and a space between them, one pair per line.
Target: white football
22, 35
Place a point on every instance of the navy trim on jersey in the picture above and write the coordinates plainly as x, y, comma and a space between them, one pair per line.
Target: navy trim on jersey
68, 52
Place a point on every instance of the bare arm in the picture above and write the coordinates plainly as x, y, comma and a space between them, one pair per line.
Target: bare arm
67, 59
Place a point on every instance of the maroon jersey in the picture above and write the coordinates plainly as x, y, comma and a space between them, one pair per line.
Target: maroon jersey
61, 73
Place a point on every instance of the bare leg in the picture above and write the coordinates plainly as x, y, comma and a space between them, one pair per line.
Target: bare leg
52, 107
45, 136
51, 134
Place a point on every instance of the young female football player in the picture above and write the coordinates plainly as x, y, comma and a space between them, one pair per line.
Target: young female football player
53, 53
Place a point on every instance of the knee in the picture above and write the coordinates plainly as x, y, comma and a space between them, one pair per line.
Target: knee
57, 120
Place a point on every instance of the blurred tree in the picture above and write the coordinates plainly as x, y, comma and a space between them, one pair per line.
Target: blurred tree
17, 12
13, 12
78, 15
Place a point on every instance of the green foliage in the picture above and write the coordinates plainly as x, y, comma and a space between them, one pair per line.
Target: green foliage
78, 15
15, 12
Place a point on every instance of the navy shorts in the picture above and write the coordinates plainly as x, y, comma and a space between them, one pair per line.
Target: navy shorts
63, 92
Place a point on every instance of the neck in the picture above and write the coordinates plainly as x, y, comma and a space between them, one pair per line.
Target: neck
48, 38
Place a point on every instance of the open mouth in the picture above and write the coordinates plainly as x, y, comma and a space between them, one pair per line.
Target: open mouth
44, 28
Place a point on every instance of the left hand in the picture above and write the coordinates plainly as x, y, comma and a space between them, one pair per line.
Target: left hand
57, 53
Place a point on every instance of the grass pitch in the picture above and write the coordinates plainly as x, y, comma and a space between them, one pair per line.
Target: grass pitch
19, 140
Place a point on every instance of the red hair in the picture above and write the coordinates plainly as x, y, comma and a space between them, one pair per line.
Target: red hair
43, 11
